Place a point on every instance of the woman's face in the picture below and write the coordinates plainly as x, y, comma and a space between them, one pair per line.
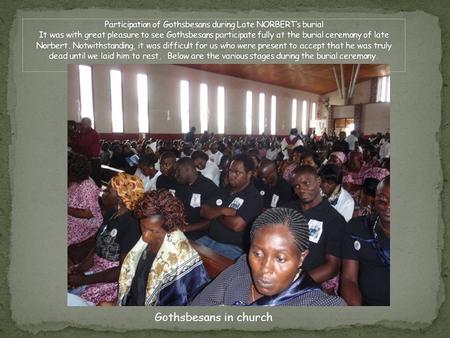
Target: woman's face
309, 161
152, 231
274, 259
328, 187
110, 198
335, 160
296, 157
168, 166
355, 162
382, 203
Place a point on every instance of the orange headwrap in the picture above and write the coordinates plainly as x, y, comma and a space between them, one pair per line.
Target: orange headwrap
129, 188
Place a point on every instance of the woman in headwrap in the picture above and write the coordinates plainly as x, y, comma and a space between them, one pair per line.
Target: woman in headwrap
289, 167
337, 158
162, 268
364, 201
353, 179
99, 272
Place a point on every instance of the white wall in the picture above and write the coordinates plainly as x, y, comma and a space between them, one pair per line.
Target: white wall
361, 94
163, 87
342, 112
375, 117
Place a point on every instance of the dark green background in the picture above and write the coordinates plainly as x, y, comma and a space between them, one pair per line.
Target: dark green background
441, 9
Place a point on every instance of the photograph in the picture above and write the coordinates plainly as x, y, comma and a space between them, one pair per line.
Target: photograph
228, 184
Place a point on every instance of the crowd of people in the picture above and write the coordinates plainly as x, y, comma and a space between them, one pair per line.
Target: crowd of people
304, 218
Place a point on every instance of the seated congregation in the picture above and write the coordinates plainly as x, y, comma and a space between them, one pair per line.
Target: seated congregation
250, 221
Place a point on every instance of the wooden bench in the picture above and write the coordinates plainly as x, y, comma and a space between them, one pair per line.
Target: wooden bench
214, 262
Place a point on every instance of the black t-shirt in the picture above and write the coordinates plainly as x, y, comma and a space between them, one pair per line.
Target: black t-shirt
193, 197
275, 196
117, 236
118, 161
136, 295
374, 271
167, 182
248, 204
326, 232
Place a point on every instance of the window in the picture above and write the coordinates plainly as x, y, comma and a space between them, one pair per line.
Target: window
384, 89
184, 106
86, 102
304, 116
116, 101
273, 114
294, 114
203, 107
261, 112
313, 114
220, 110
142, 93
248, 113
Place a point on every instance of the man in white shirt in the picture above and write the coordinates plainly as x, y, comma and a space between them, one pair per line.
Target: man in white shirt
331, 185
206, 167
352, 141
272, 153
214, 154
147, 172
385, 148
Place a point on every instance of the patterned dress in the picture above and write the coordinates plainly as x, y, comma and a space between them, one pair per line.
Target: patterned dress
116, 237
83, 195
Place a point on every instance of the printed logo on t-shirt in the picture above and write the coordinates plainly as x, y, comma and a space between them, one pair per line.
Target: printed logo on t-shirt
196, 200
262, 192
315, 230
274, 202
219, 202
237, 203
357, 245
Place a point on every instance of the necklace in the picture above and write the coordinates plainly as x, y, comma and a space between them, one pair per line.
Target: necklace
252, 293
375, 235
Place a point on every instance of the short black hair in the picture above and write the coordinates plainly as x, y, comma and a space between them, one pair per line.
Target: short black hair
305, 169
369, 186
267, 163
299, 149
186, 161
331, 172
313, 154
246, 160
148, 160
198, 154
168, 154
79, 167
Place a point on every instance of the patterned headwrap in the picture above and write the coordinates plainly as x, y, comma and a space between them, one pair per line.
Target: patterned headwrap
129, 188
340, 155
377, 173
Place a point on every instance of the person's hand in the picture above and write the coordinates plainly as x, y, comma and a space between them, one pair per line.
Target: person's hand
85, 265
75, 280
70, 265
229, 212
